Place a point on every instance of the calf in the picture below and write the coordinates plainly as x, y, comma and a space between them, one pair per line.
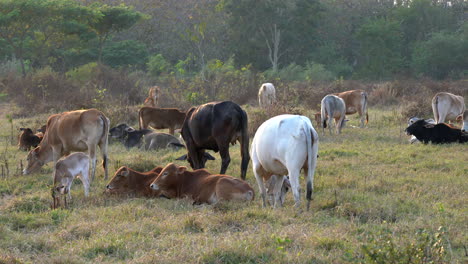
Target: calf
176, 182
413, 139
28, 139
128, 181
67, 169
333, 107
266, 95
155, 141
283, 145
128, 135
438, 133
161, 118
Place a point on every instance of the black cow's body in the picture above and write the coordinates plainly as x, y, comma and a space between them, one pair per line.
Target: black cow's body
129, 136
28, 139
213, 126
437, 134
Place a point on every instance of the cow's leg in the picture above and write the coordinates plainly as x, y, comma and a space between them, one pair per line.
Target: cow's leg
330, 122
278, 180
171, 130
92, 156
225, 158
85, 179
258, 171
294, 180
103, 148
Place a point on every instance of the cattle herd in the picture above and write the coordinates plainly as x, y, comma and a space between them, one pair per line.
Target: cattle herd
282, 146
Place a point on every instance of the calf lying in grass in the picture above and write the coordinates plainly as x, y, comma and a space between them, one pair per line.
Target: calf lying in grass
67, 169
199, 185
436, 133
128, 181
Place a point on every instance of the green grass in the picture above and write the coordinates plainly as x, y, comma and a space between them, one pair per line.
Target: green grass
377, 199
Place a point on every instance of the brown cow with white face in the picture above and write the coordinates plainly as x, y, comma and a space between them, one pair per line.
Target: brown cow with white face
129, 181
81, 130
199, 185
161, 118
356, 102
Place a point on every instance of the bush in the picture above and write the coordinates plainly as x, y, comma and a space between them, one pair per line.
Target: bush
317, 72
157, 64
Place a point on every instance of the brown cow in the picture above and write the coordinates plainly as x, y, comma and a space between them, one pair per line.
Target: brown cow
28, 139
356, 102
79, 130
128, 181
160, 118
153, 97
176, 182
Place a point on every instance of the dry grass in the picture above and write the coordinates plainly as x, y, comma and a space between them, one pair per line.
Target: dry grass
372, 189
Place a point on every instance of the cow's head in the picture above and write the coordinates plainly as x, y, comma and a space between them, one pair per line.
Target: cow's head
120, 182
205, 157
35, 162
62, 183
418, 127
167, 178
120, 131
270, 188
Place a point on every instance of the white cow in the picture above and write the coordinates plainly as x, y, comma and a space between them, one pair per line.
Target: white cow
266, 95
283, 145
464, 118
447, 107
333, 107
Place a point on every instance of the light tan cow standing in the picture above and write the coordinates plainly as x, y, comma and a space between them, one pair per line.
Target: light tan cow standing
447, 107
66, 170
153, 97
356, 102
81, 130
333, 107
266, 95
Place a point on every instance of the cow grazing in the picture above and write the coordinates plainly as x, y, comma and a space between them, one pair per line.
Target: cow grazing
161, 118
28, 139
447, 107
155, 141
81, 130
333, 107
283, 145
266, 95
464, 118
213, 126
356, 102
66, 170
128, 181
153, 97
128, 135
438, 133
202, 187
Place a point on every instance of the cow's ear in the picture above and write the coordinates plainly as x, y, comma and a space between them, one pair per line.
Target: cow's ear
208, 156
459, 118
183, 157
125, 172
429, 125
22, 128
181, 169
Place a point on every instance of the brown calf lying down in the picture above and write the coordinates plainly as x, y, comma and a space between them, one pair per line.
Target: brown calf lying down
199, 185
128, 181
161, 118
66, 170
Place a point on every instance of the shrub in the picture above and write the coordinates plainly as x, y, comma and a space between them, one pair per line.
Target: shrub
157, 64
317, 72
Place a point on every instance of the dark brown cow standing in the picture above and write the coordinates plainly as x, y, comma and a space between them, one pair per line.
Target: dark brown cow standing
128, 181
176, 182
28, 139
214, 126
161, 118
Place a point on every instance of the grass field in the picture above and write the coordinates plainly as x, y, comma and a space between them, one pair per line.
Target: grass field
377, 199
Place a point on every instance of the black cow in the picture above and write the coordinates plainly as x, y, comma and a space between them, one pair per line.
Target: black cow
436, 133
213, 126
28, 139
128, 135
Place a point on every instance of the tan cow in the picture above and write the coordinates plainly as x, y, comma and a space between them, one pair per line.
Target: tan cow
356, 102
161, 118
81, 130
66, 170
176, 182
266, 95
153, 97
447, 107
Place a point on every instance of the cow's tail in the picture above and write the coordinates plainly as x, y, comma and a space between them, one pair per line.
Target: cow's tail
140, 118
323, 116
244, 143
364, 106
435, 109
312, 144
105, 143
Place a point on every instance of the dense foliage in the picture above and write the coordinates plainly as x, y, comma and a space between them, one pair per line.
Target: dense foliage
315, 39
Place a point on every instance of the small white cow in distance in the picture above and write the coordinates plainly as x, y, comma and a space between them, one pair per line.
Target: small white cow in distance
66, 170
447, 107
266, 95
283, 145
333, 107
411, 121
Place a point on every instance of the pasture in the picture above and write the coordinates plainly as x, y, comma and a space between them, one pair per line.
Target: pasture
377, 199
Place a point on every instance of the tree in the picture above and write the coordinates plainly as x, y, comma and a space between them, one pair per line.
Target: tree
113, 19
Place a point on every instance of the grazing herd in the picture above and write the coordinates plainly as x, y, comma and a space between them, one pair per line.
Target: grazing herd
282, 147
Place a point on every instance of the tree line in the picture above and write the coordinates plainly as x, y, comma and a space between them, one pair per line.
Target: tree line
286, 39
